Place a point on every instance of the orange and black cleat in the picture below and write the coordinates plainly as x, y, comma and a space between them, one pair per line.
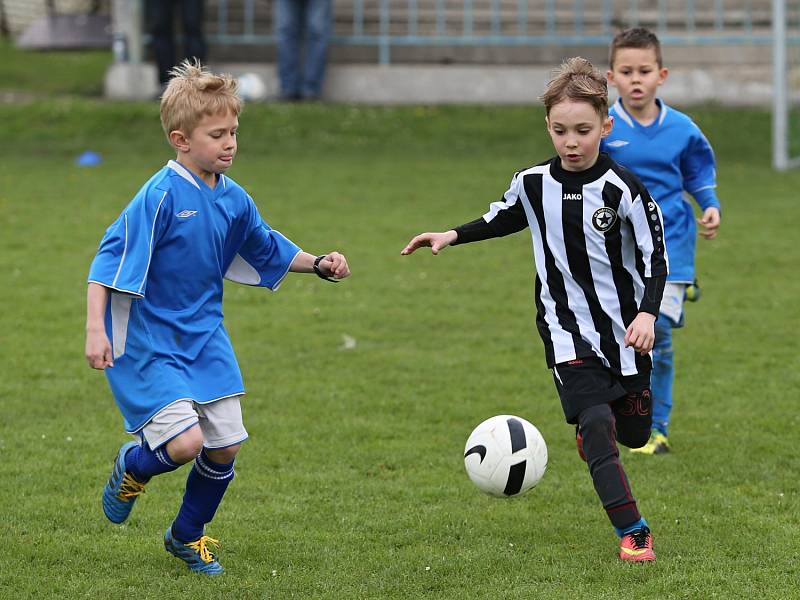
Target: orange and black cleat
637, 546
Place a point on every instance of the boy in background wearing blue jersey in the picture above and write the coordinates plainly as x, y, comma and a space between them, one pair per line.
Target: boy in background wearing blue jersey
600, 271
671, 156
154, 310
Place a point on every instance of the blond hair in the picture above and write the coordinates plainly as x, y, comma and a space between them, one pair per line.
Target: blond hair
576, 79
194, 92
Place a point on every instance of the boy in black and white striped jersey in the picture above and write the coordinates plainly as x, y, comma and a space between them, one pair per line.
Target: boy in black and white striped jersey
601, 266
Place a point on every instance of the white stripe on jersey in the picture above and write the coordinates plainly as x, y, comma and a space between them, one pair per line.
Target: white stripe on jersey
120, 314
645, 214
561, 339
602, 277
124, 252
152, 236
576, 299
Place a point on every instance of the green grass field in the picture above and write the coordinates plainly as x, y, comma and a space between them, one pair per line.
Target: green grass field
352, 484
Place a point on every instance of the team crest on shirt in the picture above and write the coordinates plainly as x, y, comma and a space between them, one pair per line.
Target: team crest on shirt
186, 213
604, 218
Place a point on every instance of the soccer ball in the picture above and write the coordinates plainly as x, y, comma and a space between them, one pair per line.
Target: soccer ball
505, 456
251, 87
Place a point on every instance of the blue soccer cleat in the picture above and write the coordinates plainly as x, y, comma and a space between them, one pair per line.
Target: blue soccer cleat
195, 554
122, 489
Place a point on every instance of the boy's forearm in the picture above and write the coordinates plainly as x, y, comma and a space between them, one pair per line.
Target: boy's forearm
96, 301
653, 292
303, 263
707, 198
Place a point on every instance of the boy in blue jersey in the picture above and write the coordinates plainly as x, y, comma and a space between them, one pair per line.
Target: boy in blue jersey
154, 316
671, 156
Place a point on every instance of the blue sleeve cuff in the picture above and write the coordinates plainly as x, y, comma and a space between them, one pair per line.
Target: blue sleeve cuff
707, 198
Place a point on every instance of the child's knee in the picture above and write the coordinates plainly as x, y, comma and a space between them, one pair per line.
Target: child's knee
186, 446
634, 418
634, 439
223, 456
596, 420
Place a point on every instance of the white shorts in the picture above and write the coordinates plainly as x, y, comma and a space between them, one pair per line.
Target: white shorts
672, 301
220, 422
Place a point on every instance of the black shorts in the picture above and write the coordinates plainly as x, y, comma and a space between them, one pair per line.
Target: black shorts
586, 382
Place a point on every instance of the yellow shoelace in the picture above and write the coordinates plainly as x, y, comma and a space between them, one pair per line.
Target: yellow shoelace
130, 488
200, 547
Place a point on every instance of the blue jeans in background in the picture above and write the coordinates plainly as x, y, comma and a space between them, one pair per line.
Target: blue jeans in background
302, 27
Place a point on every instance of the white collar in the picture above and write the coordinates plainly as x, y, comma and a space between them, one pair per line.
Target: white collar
183, 172
623, 114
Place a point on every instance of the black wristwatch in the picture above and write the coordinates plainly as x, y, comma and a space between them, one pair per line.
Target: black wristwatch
319, 272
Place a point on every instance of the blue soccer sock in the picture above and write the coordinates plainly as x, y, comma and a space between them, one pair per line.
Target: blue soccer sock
630, 528
143, 463
663, 375
205, 487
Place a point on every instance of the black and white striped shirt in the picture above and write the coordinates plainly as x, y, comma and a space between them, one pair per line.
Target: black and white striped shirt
598, 245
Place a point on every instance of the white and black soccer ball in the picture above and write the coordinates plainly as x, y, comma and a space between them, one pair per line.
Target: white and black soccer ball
251, 87
505, 456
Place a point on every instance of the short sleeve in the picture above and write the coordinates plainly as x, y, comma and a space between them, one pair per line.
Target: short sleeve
264, 257
123, 258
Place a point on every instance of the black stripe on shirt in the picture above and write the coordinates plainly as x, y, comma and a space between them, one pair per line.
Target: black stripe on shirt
555, 281
580, 267
623, 282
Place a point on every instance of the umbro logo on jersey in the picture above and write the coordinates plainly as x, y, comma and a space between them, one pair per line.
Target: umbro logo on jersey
572, 197
617, 144
603, 218
186, 213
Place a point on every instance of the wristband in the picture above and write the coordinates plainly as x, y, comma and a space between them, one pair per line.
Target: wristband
319, 272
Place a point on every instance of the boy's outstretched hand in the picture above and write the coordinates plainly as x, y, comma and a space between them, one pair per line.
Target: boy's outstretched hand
334, 265
709, 223
641, 333
436, 241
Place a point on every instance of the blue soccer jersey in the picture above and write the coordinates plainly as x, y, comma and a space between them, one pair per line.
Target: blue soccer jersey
671, 156
164, 260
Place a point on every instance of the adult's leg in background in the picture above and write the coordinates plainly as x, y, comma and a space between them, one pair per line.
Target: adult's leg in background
288, 31
194, 44
160, 16
319, 22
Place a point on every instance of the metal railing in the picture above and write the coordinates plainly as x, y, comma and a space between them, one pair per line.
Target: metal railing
385, 24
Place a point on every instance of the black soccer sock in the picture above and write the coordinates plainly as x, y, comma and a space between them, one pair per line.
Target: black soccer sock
597, 426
